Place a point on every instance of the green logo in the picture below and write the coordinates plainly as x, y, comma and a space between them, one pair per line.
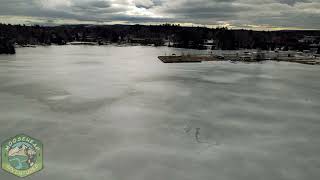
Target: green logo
22, 155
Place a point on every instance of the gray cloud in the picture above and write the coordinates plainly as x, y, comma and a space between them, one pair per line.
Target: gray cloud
233, 13
203, 10
293, 2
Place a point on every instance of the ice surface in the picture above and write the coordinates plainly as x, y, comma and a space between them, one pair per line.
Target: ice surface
118, 113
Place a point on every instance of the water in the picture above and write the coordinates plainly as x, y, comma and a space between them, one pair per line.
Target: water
119, 113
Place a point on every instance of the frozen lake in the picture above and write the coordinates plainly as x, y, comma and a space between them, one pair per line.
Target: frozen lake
118, 113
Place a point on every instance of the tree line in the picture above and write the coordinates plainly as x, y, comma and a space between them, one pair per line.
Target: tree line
174, 35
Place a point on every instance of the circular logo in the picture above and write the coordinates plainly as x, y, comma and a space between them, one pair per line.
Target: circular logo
22, 155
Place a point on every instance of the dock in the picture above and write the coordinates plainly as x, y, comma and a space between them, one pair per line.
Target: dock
187, 59
236, 57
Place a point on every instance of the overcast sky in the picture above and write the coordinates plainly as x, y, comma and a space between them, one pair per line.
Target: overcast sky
250, 14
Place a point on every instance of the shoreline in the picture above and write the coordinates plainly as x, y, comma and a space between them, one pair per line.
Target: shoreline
223, 55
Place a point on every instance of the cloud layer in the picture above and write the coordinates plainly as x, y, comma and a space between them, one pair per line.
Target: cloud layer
255, 14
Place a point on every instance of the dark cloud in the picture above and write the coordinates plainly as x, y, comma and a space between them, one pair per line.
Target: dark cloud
94, 8
293, 2
236, 13
92, 5
15, 7
292, 19
100, 4
207, 10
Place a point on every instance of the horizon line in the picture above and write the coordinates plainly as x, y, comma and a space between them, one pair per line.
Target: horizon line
145, 24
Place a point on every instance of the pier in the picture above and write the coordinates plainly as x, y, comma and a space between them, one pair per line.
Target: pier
244, 57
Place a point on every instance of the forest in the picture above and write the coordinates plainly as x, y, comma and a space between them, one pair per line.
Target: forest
157, 35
